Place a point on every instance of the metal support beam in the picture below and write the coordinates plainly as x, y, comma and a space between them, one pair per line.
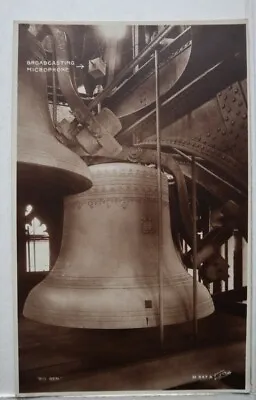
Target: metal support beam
240, 192
193, 94
130, 67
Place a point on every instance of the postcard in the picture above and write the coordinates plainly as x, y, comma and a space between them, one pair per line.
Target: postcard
133, 261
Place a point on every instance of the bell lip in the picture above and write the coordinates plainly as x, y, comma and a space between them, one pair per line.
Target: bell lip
37, 181
125, 164
119, 320
45, 320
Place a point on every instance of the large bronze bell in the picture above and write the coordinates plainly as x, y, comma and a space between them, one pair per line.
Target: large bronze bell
106, 275
45, 166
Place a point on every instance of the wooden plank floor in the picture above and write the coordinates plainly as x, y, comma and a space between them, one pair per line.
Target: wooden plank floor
63, 359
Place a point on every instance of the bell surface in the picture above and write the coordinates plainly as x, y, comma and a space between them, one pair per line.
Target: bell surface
44, 165
107, 273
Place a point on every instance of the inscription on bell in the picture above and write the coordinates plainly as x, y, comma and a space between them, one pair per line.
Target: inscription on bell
147, 226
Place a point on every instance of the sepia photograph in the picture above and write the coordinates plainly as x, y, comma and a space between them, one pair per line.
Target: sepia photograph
133, 257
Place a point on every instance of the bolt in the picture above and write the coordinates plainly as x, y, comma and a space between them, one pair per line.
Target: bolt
232, 122
244, 116
236, 90
238, 112
226, 118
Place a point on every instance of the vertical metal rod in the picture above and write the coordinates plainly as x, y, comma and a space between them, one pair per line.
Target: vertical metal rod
238, 260
135, 48
34, 249
135, 39
226, 258
34, 244
29, 255
54, 92
194, 246
159, 185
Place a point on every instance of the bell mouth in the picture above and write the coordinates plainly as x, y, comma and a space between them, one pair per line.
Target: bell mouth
60, 302
37, 181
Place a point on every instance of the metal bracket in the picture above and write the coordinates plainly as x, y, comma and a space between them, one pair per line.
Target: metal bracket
226, 215
214, 270
98, 135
